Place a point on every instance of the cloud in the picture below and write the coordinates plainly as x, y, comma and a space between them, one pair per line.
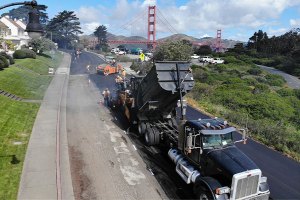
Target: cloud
191, 16
205, 35
88, 14
276, 32
295, 23
90, 27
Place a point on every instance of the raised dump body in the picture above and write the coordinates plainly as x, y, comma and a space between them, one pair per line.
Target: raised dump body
159, 91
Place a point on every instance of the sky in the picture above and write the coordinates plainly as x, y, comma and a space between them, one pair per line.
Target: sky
238, 19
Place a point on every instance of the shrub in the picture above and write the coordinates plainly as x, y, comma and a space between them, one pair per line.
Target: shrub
286, 92
5, 63
1, 64
255, 71
11, 60
275, 80
24, 53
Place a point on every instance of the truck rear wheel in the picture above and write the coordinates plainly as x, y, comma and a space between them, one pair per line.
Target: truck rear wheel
142, 128
149, 136
156, 136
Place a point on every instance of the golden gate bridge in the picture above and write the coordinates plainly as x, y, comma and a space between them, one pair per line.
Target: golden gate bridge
154, 15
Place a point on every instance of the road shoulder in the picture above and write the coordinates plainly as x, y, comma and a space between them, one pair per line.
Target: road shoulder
47, 152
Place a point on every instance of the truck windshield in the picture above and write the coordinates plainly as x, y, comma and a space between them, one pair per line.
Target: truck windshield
217, 140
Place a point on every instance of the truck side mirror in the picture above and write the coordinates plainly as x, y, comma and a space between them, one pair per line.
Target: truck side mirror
244, 136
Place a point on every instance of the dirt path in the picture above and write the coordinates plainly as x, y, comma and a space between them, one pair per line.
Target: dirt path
104, 163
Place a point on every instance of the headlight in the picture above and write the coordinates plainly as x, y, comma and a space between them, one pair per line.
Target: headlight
223, 190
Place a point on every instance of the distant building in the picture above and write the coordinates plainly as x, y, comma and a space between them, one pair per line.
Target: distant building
14, 30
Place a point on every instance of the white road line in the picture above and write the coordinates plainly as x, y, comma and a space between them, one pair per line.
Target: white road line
150, 170
134, 147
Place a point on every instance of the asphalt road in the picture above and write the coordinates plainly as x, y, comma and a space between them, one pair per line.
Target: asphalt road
104, 162
283, 173
292, 81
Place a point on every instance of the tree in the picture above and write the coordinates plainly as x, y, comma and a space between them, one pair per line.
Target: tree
41, 44
175, 51
258, 41
203, 50
22, 13
100, 33
64, 28
238, 48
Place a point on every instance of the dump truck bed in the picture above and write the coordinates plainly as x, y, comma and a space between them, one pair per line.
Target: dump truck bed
158, 92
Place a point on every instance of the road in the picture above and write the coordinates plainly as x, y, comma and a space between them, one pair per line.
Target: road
104, 162
283, 173
292, 81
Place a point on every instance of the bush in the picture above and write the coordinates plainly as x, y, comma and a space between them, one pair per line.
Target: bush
11, 60
1, 65
255, 71
275, 80
4, 63
24, 53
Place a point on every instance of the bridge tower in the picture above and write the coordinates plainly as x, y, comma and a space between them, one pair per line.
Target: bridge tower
151, 27
218, 41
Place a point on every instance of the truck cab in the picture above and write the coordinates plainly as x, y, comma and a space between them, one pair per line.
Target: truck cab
214, 164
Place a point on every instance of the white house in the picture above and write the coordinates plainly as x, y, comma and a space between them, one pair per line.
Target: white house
17, 32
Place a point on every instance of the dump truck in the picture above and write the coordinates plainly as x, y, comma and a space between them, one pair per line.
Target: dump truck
202, 150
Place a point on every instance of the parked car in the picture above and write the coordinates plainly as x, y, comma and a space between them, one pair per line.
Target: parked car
149, 55
121, 52
195, 56
206, 59
115, 50
217, 61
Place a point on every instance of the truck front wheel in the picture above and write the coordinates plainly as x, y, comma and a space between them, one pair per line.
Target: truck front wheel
202, 193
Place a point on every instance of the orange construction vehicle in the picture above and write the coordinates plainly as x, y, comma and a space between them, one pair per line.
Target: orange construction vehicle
107, 69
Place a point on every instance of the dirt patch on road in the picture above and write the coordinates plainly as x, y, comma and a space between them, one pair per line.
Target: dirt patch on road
81, 184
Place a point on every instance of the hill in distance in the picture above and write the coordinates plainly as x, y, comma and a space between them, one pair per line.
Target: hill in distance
206, 40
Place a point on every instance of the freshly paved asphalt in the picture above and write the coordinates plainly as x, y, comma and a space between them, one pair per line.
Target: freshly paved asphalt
282, 172
292, 81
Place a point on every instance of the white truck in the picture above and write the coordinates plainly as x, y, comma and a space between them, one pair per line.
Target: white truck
217, 61
206, 59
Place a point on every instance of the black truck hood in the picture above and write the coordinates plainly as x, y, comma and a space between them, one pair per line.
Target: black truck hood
231, 159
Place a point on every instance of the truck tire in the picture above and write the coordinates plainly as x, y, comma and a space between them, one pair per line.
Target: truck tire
156, 136
142, 128
149, 136
202, 193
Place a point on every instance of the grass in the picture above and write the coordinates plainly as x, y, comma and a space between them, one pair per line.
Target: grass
17, 118
24, 83
16, 121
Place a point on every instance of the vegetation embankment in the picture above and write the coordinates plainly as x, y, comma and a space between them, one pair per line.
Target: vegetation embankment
281, 52
244, 94
17, 118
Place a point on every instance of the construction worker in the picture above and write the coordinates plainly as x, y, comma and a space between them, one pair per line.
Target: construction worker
113, 63
106, 95
124, 77
119, 79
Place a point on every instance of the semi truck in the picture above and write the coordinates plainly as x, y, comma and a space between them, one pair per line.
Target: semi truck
202, 150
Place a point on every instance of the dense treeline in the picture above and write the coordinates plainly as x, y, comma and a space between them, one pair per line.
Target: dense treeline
281, 52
